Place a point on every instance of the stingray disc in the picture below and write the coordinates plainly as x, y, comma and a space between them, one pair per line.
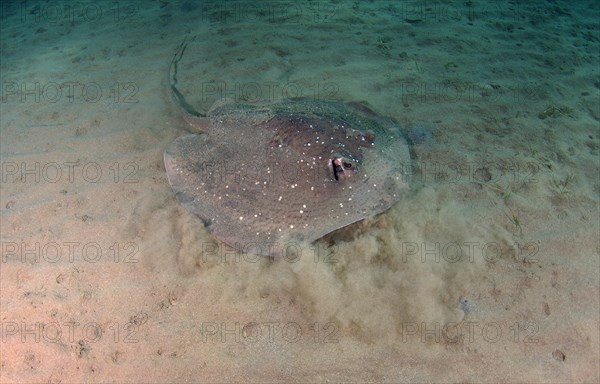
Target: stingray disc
262, 178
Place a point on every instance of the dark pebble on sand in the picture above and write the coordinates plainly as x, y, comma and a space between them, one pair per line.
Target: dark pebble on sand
559, 355
465, 304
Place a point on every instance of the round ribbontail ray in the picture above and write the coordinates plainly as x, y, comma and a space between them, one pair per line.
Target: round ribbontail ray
264, 176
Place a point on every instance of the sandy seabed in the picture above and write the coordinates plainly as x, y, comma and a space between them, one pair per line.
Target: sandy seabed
486, 271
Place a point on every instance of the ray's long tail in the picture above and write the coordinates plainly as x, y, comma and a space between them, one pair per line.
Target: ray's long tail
196, 119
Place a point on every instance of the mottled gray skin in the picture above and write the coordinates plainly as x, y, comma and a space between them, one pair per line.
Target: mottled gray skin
264, 177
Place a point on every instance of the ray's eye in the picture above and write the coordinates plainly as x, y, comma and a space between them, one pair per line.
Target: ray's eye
341, 168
